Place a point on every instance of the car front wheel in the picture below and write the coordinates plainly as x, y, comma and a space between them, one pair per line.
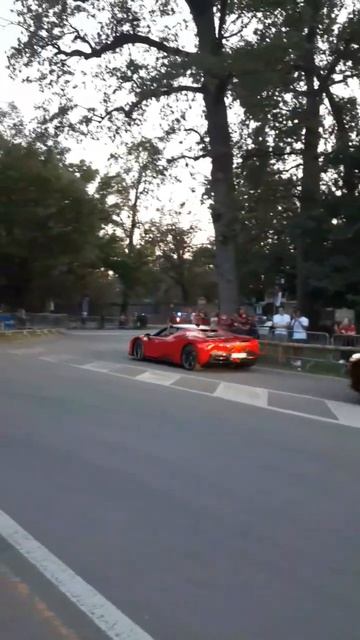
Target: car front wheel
138, 351
189, 358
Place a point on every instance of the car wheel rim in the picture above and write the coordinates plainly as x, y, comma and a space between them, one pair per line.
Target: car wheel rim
189, 359
138, 351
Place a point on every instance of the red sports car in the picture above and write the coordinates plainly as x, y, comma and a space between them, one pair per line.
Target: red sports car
195, 347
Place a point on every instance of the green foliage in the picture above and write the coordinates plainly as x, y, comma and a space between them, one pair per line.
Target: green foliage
49, 226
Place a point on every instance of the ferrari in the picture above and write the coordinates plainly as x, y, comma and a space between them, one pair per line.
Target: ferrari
354, 371
195, 347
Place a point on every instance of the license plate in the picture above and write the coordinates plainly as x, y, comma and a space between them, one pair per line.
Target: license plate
238, 356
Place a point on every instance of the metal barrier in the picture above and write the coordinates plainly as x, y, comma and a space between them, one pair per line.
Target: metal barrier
312, 337
99, 322
323, 358
345, 340
47, 320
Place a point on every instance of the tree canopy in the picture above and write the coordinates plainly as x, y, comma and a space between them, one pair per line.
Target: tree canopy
275, 86
49, 226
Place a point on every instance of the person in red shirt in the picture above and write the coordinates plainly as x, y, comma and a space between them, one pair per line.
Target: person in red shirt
347, 329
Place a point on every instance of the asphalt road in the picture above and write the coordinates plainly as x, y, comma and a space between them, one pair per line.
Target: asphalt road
197, 517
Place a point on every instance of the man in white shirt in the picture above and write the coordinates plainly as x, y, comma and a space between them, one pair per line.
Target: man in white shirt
281, 324
299, 326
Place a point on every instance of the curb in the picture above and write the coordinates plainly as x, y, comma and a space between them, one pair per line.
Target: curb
18, 333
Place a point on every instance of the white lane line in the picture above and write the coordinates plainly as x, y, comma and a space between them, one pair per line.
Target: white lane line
26, 351
348, 414
63, 357
159, 377
103, 613
242, 393
100, 334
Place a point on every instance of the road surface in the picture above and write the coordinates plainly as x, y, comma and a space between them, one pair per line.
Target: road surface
140, 502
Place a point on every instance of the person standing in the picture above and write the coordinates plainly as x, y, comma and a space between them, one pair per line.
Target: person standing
85, 303
241, 322
299, 326
281, 324
265, 329
347, 329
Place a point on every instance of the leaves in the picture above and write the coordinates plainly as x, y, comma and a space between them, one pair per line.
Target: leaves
49, 224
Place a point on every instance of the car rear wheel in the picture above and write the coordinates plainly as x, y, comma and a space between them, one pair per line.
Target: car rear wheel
189, 358
138, 350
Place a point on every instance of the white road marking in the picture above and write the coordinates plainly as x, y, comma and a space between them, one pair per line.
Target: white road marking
159, 377
101, 333
26, 351
60, 357
348, 414
242, 393
103, 613
98, 365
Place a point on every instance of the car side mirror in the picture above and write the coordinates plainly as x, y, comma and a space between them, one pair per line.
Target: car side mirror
147, 335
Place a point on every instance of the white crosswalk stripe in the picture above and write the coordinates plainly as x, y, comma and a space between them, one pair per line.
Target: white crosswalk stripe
159, 377
242, 393
346, 413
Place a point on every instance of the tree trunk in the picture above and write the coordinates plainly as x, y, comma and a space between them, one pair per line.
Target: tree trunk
222, 184
222, 173
184, 293
310, 198
125, 300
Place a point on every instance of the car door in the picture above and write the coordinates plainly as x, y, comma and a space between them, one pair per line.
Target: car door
170, 345
156, 345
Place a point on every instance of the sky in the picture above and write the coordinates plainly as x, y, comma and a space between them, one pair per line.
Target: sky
26, 96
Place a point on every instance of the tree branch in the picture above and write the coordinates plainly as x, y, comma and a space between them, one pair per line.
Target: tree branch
201, 136
185, 156
118, 42
325, 78
239, 31
151, 95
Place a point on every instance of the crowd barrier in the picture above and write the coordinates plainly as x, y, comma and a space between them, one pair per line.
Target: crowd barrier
322, 358
313, 337
340, 340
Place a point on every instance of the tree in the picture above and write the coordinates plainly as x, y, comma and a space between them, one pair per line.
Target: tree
123, 194
49, 228
174, 246
141, 55
185, 268
304, 53
264, 243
